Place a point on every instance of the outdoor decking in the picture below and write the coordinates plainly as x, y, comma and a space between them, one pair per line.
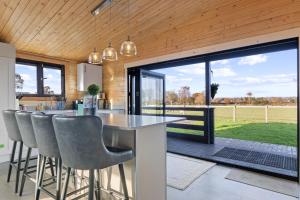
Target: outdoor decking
272, 158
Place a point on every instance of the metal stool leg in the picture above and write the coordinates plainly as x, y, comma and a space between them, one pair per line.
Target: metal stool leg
51, 168
91, 184
73, 173
19, 167
58, 178
122, 174
66, 183
25, 171
12, 158
41, 176
98, 192
38, 168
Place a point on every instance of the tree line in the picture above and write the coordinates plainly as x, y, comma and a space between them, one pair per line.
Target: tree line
184, 97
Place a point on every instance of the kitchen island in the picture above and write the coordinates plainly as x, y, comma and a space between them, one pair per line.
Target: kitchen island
146, 135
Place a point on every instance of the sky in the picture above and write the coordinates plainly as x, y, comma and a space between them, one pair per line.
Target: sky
265, 75
28, 74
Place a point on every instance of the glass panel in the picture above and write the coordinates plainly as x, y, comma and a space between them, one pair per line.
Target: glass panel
152, 95
26, 79
185, 88
257, 97
52, 81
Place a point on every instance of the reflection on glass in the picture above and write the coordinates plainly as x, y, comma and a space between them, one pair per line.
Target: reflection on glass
52, 81
152, 94
25, 79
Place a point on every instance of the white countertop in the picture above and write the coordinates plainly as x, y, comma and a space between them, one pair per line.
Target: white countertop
125, 121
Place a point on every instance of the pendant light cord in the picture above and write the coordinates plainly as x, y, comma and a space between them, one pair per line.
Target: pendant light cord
110, 26
95, 24
128, 16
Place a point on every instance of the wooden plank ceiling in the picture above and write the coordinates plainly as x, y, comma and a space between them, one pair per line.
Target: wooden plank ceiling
66, 29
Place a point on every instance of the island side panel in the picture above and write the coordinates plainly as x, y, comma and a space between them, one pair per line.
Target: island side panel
150, 166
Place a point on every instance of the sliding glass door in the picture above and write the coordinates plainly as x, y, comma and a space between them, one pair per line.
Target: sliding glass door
152, 93
146, 92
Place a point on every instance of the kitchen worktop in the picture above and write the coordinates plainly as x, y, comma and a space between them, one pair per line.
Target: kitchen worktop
125, 121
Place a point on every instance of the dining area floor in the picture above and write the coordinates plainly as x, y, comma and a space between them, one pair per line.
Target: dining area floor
212, 185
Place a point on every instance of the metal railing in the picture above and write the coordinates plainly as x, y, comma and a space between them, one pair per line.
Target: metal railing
204, 116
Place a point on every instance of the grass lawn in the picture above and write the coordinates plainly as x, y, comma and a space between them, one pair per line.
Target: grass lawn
274, 133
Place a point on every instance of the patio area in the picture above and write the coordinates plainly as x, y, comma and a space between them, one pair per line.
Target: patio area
270, 158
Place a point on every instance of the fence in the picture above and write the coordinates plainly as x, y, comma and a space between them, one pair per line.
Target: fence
240, 113
203, 116
258, 113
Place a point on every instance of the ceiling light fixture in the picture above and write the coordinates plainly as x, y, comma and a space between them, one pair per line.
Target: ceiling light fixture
128, 48
109, 53
95, 57
99, 7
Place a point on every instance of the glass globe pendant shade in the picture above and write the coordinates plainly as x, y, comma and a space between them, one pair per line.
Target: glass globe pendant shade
128, 48
95, 58
110, 54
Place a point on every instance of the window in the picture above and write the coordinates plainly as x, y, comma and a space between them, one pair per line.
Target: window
39, 79
26, 79
52, 81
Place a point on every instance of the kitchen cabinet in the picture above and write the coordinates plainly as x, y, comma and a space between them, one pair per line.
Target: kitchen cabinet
88, 74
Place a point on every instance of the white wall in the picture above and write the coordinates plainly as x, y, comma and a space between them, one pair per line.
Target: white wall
7, 93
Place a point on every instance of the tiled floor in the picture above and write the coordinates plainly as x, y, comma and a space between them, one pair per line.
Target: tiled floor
207, 151
210, 186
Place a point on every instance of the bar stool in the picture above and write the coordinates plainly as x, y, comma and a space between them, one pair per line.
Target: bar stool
48, 148
14, 135
82, 147
28, 137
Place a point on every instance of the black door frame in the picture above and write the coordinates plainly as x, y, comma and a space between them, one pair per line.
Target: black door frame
134, 89
280, 45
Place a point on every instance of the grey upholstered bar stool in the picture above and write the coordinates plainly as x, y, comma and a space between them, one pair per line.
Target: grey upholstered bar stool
81, 147
48, 148
28, 137
13, 134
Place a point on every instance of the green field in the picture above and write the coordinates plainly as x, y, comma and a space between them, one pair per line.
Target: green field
250, 124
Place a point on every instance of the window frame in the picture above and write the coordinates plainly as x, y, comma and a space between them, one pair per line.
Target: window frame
40, 77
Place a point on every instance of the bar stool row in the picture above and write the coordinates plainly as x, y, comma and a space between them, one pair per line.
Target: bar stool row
73, 142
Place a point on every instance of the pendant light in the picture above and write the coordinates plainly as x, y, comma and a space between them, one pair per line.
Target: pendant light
95, 57
128, 48
109, 53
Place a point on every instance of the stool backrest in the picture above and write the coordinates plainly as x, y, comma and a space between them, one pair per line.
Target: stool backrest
26, 129
45, 135
80, 141
11, 125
